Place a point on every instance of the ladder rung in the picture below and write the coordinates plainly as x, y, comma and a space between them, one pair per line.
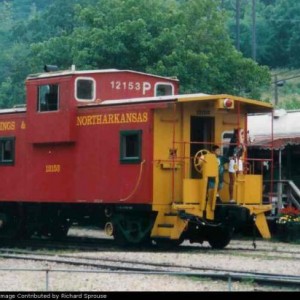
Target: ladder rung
166, 225
160, 237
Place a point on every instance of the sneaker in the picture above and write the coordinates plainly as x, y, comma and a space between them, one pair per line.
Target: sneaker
232, 201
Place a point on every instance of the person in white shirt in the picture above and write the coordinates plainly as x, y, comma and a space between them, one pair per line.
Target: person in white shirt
235, 152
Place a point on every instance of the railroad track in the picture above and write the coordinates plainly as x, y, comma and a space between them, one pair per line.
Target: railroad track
263, 253
77, 251
70, 243
134, 267
104, 244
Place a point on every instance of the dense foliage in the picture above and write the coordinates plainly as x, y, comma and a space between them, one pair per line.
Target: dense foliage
277, 41
183, 38
277, 30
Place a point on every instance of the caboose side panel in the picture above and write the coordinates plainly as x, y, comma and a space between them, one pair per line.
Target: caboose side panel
168, 165
14, 156
114, 155
50, 172
94, 168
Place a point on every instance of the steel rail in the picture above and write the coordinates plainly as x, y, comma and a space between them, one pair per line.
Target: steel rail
121, 268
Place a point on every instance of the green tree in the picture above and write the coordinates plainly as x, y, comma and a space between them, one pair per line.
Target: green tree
183, 38
186, 39
6, 24
286, 24
277, 30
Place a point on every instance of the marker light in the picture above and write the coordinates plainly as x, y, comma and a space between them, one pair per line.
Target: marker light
225, 103
228, 103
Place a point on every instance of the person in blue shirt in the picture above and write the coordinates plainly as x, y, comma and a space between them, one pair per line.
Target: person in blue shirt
221, 162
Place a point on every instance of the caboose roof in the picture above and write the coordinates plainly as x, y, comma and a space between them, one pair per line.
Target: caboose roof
252, 106
13, 110
89, 72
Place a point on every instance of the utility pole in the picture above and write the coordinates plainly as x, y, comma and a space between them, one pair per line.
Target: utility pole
254, 29
237, 23
276, 89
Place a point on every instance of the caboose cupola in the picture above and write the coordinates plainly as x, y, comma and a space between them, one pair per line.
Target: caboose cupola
54, 97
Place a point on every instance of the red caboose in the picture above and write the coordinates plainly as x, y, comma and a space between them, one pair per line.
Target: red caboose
116, 148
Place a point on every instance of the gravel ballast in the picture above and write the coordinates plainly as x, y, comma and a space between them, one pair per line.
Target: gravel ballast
240, 256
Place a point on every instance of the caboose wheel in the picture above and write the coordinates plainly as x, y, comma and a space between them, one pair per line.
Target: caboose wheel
119, 237
199, 159
60, 231
10, 225
220, 237
129, 232
109, 228
57, 230
131, 229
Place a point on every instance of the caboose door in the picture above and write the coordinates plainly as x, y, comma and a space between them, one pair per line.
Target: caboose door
201, 137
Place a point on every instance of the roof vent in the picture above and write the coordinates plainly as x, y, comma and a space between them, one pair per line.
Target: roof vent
50, 68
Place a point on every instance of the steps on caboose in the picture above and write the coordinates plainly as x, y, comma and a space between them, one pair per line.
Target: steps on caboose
168, 225
171, 214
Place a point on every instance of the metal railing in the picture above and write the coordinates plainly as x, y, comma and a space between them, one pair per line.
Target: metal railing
286, 193
228, 276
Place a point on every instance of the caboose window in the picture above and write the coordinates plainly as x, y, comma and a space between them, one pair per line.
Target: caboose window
48, 97
164, 89
130, 146
226, 137
85, 89
7, 151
